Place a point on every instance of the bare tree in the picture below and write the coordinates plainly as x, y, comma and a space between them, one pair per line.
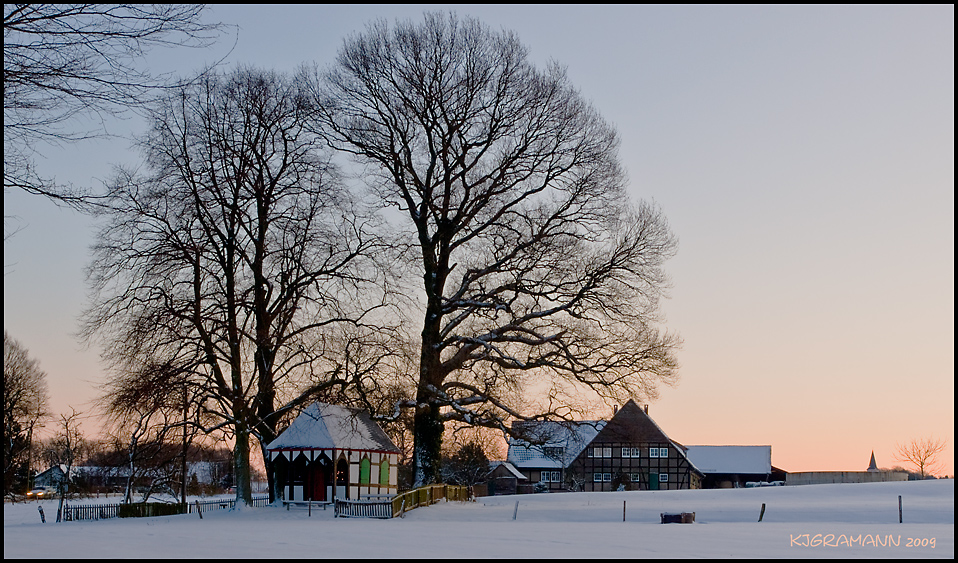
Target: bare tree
67, 66
65, 451
536, 271
24, 407
233, 261
923, 454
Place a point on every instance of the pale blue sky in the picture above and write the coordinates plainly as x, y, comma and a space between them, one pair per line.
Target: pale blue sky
803, 156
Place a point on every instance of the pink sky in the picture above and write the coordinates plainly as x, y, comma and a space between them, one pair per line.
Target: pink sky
804, 157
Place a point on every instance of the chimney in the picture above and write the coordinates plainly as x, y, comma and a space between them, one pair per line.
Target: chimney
646, 409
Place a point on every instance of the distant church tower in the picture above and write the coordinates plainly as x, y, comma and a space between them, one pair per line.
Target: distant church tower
872, 466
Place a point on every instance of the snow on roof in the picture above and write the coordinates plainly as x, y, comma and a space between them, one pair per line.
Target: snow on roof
731, 459
570, 437
509, 467
325, 426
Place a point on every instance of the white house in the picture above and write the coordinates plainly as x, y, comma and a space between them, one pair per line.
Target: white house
331, 451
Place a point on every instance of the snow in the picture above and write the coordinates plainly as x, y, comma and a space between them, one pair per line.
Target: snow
731, 459
845, 520
324, 426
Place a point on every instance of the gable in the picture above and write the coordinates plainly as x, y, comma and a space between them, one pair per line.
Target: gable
631, 425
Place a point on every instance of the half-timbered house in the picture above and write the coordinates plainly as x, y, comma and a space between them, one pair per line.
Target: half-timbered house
331, 451
628, 452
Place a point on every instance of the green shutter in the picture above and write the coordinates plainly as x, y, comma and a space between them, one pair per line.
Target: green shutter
384, 472
364, 471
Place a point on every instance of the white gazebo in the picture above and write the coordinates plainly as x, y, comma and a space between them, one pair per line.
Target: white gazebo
331, 451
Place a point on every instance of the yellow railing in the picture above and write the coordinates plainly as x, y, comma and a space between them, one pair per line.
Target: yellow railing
429, 494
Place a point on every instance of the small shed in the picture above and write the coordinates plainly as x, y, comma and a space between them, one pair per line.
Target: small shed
330, 452
504, 479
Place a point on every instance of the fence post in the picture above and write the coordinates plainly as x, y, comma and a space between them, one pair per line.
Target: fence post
43, 519
899, 509
516, 511
623, 511
198, 509
762, 513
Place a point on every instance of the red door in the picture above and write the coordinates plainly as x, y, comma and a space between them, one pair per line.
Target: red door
319, 483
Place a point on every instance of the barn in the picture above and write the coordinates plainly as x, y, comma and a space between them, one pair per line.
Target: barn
734, 466
330, 452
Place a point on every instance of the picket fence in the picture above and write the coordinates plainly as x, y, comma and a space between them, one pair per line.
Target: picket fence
147, 509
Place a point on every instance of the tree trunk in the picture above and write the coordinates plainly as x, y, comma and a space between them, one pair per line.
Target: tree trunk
427, 444
241, 466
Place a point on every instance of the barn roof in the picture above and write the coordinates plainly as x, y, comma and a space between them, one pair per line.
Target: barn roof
325, 426
756, 460
493, 465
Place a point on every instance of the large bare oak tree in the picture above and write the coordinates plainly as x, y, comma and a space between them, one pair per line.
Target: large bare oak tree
536, 272
227, 266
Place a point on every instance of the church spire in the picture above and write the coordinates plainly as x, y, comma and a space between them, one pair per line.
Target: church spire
872, 466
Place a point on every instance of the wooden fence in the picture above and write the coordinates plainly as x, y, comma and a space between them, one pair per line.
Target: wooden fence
346, 508
397, 505
103, 511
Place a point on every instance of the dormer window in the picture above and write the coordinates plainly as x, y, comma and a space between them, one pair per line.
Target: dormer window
552, 452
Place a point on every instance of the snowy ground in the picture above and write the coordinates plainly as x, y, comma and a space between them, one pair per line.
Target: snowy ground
858, 520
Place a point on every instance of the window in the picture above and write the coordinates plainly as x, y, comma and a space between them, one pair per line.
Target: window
601, 477
632, 452
635, 452
606, 452
634, 477
600, 452
551, 477
653, 452
663, 477
607, 477
626, 452
663, 452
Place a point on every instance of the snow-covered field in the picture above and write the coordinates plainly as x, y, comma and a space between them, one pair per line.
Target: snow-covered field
858, 520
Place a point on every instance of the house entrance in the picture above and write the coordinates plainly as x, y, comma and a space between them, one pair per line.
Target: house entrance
318, 482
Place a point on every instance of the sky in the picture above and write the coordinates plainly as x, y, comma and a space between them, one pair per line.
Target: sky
803, 155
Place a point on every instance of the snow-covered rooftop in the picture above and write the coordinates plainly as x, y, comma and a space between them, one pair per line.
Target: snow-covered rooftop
509, 467
556, 443
325, 426
731, 459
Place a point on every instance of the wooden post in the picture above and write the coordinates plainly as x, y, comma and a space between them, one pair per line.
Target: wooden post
43, 519
623, 511
899, 509
516, 511
310, 512
198, 509
762, 514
